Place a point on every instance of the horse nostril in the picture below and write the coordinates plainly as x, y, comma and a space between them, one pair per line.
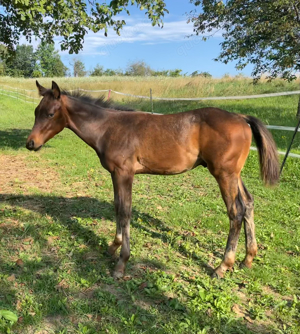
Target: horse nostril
30, 145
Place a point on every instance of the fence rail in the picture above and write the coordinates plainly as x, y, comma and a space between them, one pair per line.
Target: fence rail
241, 97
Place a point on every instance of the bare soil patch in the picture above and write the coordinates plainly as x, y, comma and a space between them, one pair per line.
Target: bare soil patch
20, 176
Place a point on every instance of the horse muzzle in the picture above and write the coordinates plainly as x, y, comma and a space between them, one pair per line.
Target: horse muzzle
31, 145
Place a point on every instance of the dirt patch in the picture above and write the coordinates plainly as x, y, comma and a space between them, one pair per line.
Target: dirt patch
268, 290
20, 176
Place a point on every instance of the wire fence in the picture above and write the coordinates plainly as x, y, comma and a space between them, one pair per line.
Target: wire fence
210, 98
27, 95
19, 94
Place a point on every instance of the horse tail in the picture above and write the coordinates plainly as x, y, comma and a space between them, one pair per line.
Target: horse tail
268, 156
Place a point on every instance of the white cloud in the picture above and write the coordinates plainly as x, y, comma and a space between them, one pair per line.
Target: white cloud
136, 31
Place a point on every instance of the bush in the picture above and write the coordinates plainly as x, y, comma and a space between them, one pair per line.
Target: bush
37, 74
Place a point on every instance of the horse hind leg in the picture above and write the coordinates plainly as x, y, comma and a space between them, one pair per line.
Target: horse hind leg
236, 209
249, 227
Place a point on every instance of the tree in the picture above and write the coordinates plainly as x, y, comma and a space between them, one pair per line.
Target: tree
201, 74
78, 68
3, 58
138, 68
37, 73
163, 73
109, 72
263, 33
98, 71
70, 19
49, 62
23, 64
175, 73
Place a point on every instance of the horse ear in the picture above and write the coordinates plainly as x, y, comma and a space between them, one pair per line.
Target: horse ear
42, 90
56, 90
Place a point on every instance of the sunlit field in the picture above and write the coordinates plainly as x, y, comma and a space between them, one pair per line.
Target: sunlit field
57, 218
161, 86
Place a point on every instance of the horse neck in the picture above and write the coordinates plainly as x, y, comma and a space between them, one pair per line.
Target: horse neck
85, 120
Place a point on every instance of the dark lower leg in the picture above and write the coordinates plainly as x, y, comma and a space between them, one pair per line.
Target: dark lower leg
229, 255
236, 211
125, 251
117, 240
249, 227
123, 192
118, 236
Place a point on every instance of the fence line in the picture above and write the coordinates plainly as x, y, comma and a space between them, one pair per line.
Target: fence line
15, 97
18, 93
26, 90
283, 128
294, 155
242, 97
92, 91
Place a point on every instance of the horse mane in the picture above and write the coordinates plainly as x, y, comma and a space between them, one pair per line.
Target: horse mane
99, 101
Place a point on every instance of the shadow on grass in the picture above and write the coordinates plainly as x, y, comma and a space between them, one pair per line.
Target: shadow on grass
13, 138
54, 300
63, 209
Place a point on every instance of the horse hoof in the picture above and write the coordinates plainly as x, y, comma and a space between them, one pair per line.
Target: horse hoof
111, 250
214, 275
113, 256
218, 273
118, 275
244, 265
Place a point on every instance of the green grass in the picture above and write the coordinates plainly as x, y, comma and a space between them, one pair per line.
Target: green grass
57, 217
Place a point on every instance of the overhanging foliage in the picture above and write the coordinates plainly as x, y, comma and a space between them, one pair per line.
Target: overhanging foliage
265, 34
70, 19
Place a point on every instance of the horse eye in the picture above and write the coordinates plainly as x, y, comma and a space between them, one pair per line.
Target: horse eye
50, 115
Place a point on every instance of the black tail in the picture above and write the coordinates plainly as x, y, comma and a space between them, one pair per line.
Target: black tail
268, 156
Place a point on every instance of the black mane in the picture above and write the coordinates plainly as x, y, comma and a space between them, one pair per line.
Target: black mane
99, 101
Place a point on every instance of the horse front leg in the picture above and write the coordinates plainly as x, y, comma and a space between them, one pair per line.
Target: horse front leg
122, 182
118, 236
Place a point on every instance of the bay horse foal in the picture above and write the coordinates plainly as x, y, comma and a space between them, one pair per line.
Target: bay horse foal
130, 143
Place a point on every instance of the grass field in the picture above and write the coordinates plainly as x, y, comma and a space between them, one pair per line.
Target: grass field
57, 217
161, 86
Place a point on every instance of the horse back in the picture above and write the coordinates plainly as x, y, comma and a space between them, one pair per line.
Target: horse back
175, 143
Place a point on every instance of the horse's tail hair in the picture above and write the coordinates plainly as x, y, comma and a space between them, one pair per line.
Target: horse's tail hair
268, 156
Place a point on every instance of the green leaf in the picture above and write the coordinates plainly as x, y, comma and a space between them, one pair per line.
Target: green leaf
263, 33
94, 17
202, 294
8, 315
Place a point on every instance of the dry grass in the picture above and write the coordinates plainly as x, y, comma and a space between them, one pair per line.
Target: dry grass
161, 86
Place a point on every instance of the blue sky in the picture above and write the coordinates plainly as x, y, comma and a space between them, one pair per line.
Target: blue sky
161, 49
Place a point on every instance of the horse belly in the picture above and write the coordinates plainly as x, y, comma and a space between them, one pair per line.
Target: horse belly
173, 159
